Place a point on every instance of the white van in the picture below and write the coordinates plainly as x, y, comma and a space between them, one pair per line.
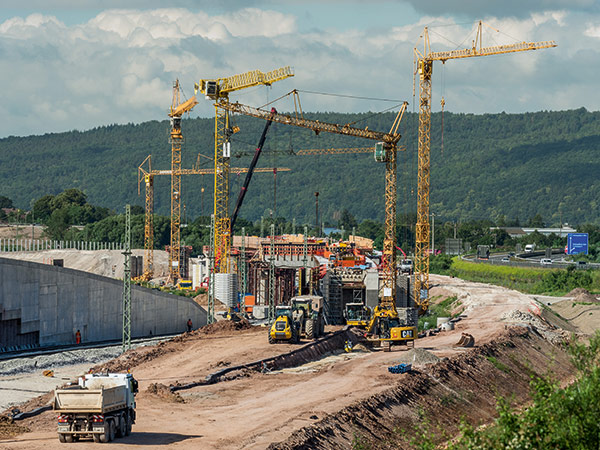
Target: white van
529, 248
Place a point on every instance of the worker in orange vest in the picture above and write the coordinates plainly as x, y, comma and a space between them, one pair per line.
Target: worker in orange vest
78, 337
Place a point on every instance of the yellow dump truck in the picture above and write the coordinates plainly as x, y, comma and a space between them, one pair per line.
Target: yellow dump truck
100, 406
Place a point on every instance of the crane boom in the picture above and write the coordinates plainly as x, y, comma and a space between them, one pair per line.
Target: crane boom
250, 172
388, 138
424, 65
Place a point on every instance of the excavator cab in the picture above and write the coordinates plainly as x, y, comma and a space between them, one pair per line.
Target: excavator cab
357, 315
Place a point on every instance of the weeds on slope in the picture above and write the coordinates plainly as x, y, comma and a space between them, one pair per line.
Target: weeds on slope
565, 418
524, 279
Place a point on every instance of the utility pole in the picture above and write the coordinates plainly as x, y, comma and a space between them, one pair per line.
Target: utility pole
243, 271
433, 233
272, 276
305, 257
127, 282
317, 213
202, 201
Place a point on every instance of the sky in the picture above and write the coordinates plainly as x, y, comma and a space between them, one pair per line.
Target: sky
79, 64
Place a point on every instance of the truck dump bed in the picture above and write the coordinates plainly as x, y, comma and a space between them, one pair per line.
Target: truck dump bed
83, 400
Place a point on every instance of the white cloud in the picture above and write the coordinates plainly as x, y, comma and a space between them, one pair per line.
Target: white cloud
119, 66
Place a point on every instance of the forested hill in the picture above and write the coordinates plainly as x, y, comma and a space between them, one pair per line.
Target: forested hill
516, 165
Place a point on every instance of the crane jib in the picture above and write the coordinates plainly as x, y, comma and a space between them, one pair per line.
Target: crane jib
315, 125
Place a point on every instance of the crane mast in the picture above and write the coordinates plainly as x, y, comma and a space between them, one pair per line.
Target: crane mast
176, 138
147, 177
218, 90
424, 68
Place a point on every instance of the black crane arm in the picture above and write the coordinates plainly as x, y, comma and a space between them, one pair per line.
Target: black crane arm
257, 153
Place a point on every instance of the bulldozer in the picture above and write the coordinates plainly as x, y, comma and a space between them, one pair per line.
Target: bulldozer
303, 317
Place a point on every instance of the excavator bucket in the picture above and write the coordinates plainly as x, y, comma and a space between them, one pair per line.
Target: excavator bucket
466, 340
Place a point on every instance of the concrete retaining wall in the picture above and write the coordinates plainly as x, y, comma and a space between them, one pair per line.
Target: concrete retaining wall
54, 302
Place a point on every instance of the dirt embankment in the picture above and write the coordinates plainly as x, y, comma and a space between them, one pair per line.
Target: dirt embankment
133, 358
464, 386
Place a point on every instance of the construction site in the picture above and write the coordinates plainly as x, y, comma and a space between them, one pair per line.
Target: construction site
293, 341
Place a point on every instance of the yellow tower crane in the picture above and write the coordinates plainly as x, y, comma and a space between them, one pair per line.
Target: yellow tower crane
178, 109
146, 175
424, 67
218, 90
385, 151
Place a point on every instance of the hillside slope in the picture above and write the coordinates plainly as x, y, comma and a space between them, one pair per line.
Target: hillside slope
518, 165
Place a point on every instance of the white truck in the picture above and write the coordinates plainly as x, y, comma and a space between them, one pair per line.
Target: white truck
406, 266
100, 406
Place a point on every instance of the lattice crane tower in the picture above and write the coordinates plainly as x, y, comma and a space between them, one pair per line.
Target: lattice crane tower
424, 67
218, 90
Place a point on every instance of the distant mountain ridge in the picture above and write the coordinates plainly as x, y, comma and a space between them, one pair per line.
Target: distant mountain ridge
516, 165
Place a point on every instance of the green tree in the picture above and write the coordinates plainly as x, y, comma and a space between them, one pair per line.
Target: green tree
5, 202
347, 220
536, 222
58, 224
42, 208
68, 198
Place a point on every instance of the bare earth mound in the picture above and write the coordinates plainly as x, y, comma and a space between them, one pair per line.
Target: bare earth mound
340, 402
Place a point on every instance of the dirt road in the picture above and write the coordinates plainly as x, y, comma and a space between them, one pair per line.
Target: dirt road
252, 412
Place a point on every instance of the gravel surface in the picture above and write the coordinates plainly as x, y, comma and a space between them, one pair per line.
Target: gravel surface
22, 379
90, 356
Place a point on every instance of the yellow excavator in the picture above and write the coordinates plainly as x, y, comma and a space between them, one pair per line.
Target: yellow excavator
387, 328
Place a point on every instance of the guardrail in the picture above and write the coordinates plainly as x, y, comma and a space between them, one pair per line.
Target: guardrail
530, 264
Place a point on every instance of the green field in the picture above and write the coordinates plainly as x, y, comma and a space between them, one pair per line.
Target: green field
528, 280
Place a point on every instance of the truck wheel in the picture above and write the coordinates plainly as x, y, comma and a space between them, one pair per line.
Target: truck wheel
113, 430
96, 437
128, 424
122, 427
310, 329
69, 438
105, 437
321, 325
295, 335
61, 438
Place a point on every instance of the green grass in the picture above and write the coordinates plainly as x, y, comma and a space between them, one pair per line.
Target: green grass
528, 280
497, 364
441, 309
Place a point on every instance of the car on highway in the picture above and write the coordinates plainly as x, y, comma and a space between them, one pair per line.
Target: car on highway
581, 263
506, 259
545, 261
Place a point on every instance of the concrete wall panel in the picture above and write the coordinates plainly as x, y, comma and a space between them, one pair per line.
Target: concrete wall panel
57, 301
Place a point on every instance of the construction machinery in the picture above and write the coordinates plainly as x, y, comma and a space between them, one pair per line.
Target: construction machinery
249, 173
424, 68
178, 109
146, 176
303, 317
184, 285
218, 90
385, 152
357, 315
99, 405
